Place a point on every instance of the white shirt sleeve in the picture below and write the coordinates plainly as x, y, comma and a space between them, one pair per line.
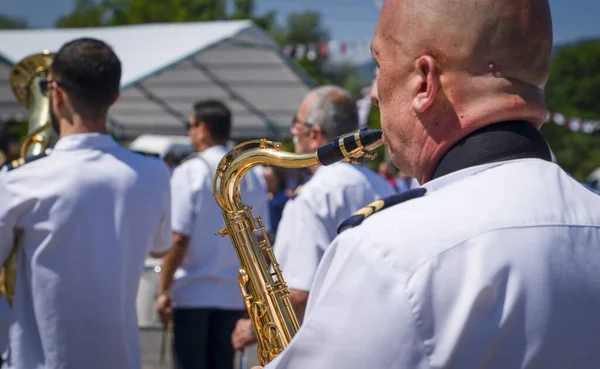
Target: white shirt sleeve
358, 316
8, 218
184, 196
164, 233
255, 186
300, 243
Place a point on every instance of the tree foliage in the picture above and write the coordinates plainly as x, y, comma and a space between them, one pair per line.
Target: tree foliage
88, 13
8, 22
574, 90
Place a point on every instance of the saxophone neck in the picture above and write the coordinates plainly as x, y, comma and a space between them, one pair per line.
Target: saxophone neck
245, 156
238, 161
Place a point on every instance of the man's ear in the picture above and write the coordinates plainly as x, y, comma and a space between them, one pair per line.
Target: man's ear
316, 135
427, 83
59, 97
118, 94
204, 130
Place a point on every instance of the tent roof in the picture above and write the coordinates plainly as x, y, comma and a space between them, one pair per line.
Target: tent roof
143, 49
167, 67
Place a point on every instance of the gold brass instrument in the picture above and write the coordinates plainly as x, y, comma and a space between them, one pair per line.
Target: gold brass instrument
265, 293
24, 81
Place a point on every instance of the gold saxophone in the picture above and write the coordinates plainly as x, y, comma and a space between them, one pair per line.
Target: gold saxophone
24, 80
265, 293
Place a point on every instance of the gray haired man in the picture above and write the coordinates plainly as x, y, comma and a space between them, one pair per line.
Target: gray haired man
310, 220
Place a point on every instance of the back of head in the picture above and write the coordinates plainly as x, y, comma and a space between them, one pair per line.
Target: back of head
450, 67
90, 72
333, 109
514, 36
217, 118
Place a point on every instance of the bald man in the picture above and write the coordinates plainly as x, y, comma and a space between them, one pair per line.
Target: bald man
495, 261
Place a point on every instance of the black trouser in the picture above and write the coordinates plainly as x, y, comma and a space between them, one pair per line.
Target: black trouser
202, 338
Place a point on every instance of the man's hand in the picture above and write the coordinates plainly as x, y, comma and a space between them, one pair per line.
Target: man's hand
163, 308
242, 335
257, 367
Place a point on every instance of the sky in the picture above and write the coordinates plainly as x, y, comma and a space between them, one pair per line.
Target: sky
346, 20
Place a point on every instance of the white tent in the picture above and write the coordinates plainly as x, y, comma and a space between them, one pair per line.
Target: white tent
167, 67
593, 180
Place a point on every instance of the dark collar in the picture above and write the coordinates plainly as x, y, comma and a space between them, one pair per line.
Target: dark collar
498, 142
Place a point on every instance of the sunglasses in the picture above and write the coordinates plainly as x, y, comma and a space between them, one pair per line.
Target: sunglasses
44, 85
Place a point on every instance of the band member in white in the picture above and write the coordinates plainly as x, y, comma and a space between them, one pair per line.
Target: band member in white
494, 263
87, 215
198, 282
310, 220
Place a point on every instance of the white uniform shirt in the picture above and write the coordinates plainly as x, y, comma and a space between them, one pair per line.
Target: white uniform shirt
207, 277
90, 213
497, 266
309, 222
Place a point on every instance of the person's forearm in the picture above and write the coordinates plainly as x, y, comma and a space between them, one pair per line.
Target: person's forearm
299, 300
171, 262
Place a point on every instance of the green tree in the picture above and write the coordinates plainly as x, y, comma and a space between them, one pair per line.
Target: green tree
573, 90
8, 22
85, 14
347, 75
305, 28
88, 13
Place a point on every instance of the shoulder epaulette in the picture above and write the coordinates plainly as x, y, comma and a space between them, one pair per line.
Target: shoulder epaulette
149, 154
358, 217
299, 188
17, 163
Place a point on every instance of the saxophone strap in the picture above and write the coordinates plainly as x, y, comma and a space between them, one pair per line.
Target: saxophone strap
378, 205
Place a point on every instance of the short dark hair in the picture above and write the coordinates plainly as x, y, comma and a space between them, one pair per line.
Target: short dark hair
216, 115
90, 72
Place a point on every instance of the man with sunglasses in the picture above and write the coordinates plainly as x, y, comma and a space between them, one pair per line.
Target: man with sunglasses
87, 215
198, 286
310, 220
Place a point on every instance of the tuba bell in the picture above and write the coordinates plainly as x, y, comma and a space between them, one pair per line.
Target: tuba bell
25, 80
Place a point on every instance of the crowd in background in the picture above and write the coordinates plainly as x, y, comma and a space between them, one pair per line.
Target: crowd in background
9, 144
282, 183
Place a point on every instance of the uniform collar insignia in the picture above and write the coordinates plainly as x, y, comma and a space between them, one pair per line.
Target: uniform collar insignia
297, 190
358, 217
17, 163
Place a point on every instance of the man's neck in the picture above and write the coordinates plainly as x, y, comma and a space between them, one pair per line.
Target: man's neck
79, 126
502, 141
479, 113
205, 146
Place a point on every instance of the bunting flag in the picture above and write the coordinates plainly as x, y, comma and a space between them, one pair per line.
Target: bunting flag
314, 51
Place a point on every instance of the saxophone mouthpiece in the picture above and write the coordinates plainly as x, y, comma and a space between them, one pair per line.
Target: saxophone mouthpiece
350, 147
